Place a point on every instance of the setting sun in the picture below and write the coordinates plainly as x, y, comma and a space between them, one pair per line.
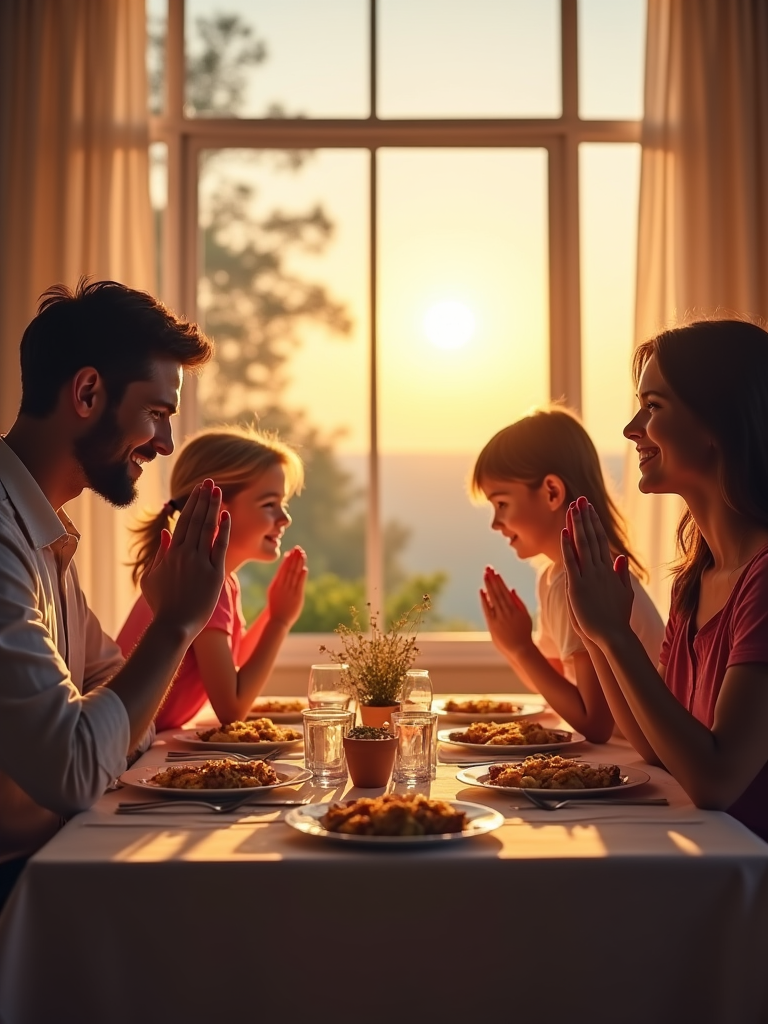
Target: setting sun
449, 324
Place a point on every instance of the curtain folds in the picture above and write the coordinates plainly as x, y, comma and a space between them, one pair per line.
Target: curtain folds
74, 200
703, 230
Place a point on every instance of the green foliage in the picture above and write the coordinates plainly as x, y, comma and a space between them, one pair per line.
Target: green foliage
329, 597
216, 77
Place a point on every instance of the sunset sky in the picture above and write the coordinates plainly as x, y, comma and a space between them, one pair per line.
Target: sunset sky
461, 226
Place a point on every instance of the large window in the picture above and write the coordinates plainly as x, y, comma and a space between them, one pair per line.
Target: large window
405, 222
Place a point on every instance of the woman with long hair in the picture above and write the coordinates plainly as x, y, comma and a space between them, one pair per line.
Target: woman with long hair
701, 432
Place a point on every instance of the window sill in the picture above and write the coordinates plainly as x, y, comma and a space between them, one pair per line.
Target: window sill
436, 650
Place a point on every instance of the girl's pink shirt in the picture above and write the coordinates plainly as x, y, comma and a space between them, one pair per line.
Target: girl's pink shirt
187, 693
696, 664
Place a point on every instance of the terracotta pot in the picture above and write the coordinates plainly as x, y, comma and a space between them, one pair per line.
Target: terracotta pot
370, 761
377, 717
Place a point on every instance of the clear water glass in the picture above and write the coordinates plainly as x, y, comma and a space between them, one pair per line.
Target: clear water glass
329, 687
324, 732
417, 696
417, 691
414, 731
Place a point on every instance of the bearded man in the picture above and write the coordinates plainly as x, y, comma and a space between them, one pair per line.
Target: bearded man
101, 375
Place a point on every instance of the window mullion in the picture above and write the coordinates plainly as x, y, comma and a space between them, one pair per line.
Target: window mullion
564, 274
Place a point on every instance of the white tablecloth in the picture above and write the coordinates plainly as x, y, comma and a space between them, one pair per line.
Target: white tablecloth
602, 916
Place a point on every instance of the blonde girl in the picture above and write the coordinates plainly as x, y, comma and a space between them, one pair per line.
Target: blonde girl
228, 664
530, 472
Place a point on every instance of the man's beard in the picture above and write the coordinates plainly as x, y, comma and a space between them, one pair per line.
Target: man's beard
104, 459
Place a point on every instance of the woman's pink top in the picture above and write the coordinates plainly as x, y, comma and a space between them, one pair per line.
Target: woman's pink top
696, 666
187, 693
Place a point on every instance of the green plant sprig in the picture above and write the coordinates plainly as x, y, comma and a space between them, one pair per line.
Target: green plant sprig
378, 662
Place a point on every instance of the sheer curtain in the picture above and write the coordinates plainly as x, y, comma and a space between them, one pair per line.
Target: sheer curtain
74, 200
703, 232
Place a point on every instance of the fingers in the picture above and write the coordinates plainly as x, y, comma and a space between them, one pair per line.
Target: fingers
293, 569
600, 535
621, 568
219, 549
496, 588
570, 534
165, 542
185, 516
570, 559
206, 520
583, 521
487, 607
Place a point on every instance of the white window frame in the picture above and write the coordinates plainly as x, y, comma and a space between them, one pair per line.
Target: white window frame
185, 138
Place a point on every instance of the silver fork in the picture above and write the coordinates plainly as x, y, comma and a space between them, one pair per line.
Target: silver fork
217, 808
548, 805
214, 755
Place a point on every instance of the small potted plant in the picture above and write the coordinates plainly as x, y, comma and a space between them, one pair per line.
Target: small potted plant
370, 756
378, 662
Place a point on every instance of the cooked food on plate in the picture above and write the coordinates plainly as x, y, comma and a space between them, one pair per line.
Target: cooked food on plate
482, 707
394, 815
260, 730
223, 774
509, 734
550, 771
277, 707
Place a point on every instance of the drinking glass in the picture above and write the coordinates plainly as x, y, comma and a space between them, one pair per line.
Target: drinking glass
414, 731
329, 687
324, 732
417, 696
417, 691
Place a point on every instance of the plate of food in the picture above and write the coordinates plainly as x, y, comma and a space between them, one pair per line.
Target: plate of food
278, 709
486, 709
550, 775
221, 776
491, 739
256, 737
395, 820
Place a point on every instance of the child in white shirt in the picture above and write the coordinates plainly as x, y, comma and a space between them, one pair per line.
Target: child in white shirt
530, 472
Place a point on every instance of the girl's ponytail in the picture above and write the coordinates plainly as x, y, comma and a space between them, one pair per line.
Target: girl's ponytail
148, 534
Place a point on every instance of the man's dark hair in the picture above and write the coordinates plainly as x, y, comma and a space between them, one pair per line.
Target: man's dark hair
109, 326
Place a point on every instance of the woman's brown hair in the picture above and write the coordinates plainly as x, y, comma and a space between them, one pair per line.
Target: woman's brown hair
553, 441
719, 370
234, 457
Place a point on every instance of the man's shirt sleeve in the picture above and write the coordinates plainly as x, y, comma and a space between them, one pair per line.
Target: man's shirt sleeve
61, 746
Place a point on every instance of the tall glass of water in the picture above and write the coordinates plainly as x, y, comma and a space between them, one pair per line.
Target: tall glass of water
324, 732
414, 731
417, 691
417, 696
329, 687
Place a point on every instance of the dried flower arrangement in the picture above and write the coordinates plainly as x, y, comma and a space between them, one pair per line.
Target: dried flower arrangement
378, 662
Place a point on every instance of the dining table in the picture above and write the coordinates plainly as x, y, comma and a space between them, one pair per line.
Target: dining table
595, 913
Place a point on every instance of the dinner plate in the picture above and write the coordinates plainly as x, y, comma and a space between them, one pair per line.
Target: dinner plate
499, 751
479, 821
527, 710
190, 737
630, 777
139, 776
258, 711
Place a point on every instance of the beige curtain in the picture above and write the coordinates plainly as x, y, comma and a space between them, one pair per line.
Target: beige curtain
74, 199
703, 232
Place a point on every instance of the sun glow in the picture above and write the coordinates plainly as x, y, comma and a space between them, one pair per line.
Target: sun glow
449, 324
